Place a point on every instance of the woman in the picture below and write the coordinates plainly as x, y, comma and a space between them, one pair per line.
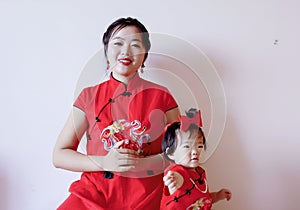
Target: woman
119, 171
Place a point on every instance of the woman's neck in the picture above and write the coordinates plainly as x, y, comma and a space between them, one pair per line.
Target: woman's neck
123, 79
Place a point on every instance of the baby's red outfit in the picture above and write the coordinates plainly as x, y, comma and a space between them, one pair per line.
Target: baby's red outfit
194, 191
110, 101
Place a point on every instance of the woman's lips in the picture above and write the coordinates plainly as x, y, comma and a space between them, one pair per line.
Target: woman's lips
125, 61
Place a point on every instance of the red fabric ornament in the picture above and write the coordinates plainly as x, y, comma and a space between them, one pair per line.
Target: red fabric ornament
186, 121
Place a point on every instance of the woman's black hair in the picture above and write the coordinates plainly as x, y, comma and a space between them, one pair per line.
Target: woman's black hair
170, 140
122, 23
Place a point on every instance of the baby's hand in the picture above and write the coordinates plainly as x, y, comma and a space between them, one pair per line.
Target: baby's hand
224, 194
173, 180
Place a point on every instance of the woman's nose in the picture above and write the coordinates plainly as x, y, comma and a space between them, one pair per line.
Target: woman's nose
125, 50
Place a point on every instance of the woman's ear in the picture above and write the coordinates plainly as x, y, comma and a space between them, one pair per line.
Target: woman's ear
170, 156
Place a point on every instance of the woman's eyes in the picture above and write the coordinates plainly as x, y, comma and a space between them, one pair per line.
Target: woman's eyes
121, 44
200, 146
118, 43
136, 45
186, 146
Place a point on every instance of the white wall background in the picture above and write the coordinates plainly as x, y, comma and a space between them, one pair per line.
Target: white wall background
44, 46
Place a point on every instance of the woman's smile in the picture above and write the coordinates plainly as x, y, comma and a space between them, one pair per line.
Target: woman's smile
125, 61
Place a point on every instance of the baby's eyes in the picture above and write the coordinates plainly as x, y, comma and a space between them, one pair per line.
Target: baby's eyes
200, 146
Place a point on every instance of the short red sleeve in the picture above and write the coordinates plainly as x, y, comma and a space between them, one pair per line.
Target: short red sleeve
86, 98
169, 101
80, 102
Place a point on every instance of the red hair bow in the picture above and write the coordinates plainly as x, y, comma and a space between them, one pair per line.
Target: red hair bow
185, 121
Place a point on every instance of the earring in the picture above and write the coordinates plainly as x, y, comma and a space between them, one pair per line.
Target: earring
108, 66
142, 68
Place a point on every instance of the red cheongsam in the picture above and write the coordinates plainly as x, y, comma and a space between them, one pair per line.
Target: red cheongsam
103, 104
193, 194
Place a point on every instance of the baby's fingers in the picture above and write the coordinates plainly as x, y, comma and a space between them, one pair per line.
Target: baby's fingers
170, 182
169, 176
228, 195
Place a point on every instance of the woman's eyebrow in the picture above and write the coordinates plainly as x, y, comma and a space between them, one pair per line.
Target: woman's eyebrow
135, 39
118, 37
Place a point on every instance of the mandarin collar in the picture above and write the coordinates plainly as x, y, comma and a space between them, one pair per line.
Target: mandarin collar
132, 83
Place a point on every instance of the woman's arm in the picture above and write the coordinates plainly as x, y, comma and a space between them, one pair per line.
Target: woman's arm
66, 156
172, 115
65, 153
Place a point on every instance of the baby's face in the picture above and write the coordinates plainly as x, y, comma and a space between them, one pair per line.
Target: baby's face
189, 148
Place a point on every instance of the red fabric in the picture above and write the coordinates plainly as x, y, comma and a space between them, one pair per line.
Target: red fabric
187, 121
187, 200
93, 192
147, 103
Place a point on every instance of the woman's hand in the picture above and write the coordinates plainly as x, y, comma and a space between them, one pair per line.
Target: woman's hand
117, 159
173, 180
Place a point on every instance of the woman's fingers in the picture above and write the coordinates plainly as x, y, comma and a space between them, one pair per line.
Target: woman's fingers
118, 147
119, 159
126, 151
126, 161
118, 144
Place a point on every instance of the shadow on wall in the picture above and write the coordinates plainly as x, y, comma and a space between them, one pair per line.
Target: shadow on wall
3, 190
228, 168
288, 180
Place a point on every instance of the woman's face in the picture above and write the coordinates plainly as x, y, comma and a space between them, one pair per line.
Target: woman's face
125, 52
